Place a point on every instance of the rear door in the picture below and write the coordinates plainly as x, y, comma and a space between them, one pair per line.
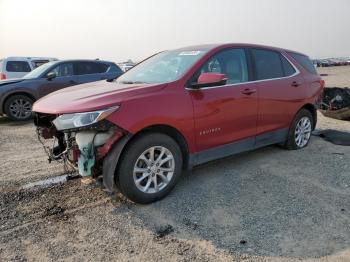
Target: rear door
227, 113
64, 78
90, 71
280, 92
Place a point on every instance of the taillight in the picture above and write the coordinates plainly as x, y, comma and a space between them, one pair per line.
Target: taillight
2, 76
323, 83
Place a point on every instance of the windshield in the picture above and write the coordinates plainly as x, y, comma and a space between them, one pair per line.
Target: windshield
39, 70
163, 67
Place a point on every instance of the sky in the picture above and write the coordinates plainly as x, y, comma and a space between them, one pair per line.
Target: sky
118, 30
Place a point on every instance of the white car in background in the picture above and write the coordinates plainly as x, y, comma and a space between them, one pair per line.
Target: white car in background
125, 66
17, 67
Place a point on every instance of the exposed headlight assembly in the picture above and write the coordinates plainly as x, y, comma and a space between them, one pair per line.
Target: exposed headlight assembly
76, 120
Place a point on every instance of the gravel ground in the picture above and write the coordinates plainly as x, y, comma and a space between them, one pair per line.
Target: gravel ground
266, 205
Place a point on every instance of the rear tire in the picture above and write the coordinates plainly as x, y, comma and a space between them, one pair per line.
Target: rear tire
19, 107
299, 133
149, 168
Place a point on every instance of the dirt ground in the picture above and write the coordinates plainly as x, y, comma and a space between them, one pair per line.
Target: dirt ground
337, 76
266, 205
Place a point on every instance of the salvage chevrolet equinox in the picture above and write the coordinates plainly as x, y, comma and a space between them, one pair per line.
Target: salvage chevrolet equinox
178, 109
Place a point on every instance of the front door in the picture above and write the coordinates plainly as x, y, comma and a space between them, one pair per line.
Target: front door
228, 113
64, 78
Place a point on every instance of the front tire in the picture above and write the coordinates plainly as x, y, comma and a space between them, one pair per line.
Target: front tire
300, 130
19, 107
149, 168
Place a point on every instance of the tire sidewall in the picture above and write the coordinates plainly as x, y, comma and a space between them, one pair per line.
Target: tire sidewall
125, 171
8, 103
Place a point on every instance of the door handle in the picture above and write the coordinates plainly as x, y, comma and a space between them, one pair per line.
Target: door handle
296, 84
248, 91
72, 82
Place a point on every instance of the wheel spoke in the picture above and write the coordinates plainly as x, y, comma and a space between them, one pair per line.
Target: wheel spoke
139, 180
140, 170
151, 154
149, 181
162, 152
166, 169
146, 160
163, 161
164, 178
155, 183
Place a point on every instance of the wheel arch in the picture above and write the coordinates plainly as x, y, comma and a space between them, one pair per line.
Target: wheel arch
7, 97
173, 133
111, 161
313, 110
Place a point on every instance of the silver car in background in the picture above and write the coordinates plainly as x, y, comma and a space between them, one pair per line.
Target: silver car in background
17, 67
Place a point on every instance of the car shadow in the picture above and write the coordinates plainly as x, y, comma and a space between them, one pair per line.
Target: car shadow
269, 202
9, 122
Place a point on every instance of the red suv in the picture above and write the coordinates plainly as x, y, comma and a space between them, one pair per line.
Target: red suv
178, 109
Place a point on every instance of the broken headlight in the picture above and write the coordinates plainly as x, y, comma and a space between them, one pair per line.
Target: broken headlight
76, 120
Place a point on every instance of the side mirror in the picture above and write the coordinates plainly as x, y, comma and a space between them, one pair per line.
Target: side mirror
51, 76
210, 79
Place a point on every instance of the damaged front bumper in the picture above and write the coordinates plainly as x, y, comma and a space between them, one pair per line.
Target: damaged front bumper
81, 150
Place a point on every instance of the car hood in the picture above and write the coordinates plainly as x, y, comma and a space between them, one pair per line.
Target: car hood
91, 96
10, 81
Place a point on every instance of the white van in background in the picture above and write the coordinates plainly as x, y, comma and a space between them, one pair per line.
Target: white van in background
17, 67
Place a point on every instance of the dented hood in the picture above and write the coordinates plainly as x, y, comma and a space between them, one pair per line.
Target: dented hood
91, 96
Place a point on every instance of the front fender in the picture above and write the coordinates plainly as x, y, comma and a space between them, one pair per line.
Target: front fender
110, 163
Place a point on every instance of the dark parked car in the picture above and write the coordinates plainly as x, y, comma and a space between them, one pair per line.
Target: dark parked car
18, 95
323, 63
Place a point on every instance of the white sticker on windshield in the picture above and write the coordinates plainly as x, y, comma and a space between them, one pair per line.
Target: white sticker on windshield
190, 53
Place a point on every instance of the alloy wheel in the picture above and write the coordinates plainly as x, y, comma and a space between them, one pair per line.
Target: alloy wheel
21, 108
154, 169
302, 132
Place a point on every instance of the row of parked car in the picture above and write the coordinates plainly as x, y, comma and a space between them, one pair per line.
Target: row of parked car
25, 80
332, 62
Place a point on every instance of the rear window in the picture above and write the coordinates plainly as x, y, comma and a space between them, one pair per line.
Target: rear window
287, 67
268, 64
86, 68
102, 68
305, 62
18, 66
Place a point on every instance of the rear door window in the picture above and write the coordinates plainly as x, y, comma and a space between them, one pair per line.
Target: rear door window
305, 62
268, 64
87, 68
18, 66
287, 67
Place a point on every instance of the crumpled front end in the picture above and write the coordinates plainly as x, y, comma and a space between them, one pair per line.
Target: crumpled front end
81, 149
